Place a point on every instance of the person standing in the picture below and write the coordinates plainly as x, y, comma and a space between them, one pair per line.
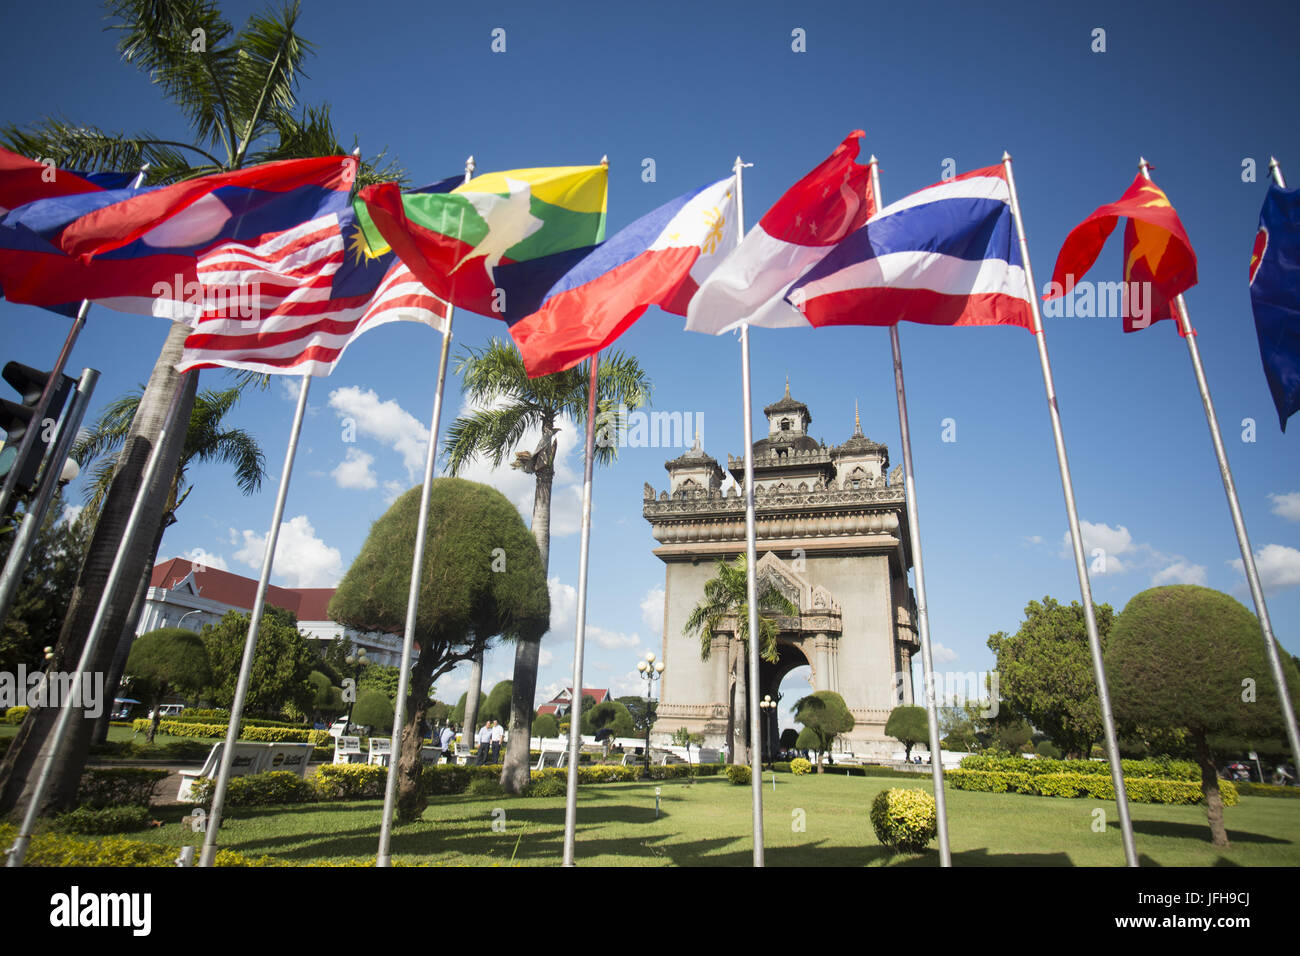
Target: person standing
498, 735
484, 741
447, 740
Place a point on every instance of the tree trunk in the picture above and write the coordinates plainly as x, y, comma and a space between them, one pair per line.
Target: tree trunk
471, 702
739, 750
20, 768
411, 798
1210, 788
516, 768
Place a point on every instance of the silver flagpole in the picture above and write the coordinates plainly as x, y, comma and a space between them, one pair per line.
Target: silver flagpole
43, 403
1234, 504
922, 607
751, 560
1076, 536
58, 740
580, 630
384, 856
213, 822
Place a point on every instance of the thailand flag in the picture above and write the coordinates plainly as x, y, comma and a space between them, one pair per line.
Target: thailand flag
944, 255
660, 259
818, 211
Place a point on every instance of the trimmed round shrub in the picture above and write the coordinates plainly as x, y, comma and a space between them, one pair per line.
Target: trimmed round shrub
739, 774
15, 715
904, 820
374, 709
548, 787
799, 766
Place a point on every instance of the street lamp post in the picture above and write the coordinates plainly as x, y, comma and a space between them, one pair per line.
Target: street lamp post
356, 661
187, 614
769, 711
651, 670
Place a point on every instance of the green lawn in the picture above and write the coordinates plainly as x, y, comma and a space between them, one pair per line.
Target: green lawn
708, 823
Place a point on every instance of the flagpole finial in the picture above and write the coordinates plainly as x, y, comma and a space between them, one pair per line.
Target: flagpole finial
1144, 167
604, 161
469, 163
1006, 157
872, 161
356, 152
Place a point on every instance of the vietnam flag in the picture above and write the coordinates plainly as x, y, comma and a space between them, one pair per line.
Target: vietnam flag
495, 244
1159, 262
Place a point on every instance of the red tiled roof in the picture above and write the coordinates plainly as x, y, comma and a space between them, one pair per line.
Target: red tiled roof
599, 693
309, 604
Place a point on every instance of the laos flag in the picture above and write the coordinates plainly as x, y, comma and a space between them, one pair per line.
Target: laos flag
660, 259
945, 255
1275, 297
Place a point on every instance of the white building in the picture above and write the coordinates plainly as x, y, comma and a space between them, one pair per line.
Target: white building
183, 594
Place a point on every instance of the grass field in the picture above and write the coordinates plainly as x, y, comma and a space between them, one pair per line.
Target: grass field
707, 824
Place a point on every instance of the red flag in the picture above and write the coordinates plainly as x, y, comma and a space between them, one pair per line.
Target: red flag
1159, 262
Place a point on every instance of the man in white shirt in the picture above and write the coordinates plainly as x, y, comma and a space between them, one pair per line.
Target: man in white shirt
484, 741
498, 735
446, 740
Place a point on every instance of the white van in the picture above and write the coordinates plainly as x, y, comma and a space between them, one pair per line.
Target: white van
169, 710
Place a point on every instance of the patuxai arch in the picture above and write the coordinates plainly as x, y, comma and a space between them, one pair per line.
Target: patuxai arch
832, 537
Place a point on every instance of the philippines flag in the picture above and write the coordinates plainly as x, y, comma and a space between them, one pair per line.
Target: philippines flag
1275, 296
818, 211
944, 255
292, 302
660, 259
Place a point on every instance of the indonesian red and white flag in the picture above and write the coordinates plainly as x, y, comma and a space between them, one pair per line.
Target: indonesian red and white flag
751, 284
292, 302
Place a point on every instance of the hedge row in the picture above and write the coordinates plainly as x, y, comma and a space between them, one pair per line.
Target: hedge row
365, 782
1139, 789
15, 715
176, 728
101, 787
193, 717
1265, 789
1163, 769
59, 849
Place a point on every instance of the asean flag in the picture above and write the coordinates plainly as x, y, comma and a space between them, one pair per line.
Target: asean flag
658, 260
1158, 256
818, 211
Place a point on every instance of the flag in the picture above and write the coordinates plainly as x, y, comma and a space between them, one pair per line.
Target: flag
944, 255
795, 234
291, 302
1275, 296
155, 273
467, 246
1159, 262
658, 260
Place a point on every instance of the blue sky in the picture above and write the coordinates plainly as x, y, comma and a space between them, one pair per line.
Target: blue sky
1196, 88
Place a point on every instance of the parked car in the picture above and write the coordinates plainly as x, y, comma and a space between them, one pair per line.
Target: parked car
168, 710
341, 728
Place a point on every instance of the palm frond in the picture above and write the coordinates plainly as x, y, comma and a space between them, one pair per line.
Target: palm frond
491, 433
265, 78
159, 36
75, 146
108, 433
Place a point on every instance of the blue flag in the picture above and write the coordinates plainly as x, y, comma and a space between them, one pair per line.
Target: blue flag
1275, 296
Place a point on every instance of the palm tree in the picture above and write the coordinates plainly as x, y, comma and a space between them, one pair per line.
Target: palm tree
725, 610
511, 404
238, 93
207, 440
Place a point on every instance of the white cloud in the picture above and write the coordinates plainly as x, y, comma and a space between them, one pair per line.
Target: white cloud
301, 559
545, 658
519, 487
1034, 539
71, 513
1287, 506
564, 602
941, 653
393, 490
1278, 566
652, 611
1112, 541
611, 640
386, 422
1180, 573
354, 470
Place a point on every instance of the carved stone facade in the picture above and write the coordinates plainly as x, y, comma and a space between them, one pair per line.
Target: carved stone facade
832, 537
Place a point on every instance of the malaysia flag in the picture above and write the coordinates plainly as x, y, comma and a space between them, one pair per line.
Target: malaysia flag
750, 285
291, 302
660, 259
945, 255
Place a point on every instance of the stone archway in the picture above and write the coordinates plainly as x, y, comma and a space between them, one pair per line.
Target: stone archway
791, 656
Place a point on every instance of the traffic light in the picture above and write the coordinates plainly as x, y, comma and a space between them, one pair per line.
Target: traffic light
16, 419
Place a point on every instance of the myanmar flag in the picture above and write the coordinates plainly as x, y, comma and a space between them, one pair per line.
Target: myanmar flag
497, 243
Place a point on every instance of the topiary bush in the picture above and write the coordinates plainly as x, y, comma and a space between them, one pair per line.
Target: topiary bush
739, 774
102, 821
799, 766
904, 820
349, 781
275, 788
